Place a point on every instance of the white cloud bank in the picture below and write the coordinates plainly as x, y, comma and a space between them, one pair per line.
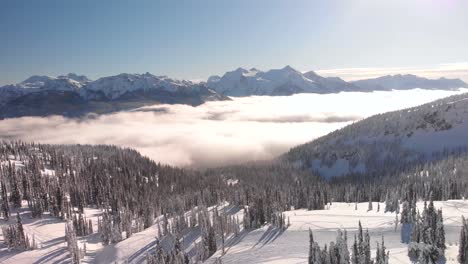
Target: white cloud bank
218, 133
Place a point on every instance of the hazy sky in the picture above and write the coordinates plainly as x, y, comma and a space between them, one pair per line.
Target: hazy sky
193, 39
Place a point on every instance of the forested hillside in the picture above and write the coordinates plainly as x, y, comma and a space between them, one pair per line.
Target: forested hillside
131, 193
102, 200
389, 142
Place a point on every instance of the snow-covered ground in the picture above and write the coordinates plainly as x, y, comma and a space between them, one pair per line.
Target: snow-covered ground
267, 245
263, 245
49, 234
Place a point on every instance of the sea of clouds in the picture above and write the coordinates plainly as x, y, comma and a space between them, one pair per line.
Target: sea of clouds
218, 133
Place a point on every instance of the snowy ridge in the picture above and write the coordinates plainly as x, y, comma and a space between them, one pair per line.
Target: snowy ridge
408, 81
76, 95
242, 82
287, 81
387, 141
115, 86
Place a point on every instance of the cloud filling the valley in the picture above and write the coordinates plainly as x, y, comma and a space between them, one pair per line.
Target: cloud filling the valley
218, 133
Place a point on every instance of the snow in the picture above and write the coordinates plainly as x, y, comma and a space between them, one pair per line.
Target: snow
115, 86
269, 245
48, 172
400, 135
408, 81
49, 233
232, 181
112, 87
339, 167
242, 82
262, 245
285, 81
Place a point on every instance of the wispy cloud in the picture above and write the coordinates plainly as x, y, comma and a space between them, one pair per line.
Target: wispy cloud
217, 133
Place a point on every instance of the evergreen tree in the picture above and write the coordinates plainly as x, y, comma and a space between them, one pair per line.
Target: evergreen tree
369, 207
463, 243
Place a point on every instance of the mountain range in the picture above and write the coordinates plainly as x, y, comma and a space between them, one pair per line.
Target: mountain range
287, 81
75, 95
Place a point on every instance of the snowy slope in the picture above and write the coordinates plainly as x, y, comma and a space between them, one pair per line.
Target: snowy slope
262, 245
387, 141
268, 245
49, 233
73, 76
35, 81
10, 92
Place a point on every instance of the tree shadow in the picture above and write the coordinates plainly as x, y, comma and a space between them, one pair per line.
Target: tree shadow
232, 210
53, 242
270, 235
48, 258
234, 240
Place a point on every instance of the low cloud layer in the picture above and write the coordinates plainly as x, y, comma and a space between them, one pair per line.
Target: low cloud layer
218, 133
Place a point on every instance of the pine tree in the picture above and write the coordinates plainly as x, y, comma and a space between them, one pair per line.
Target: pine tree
342, 247
440, 232
5, 203
381, 256
367, 249
369, 207
396, 222
315, 254
356, 256
72, 243
463, 243
21, 235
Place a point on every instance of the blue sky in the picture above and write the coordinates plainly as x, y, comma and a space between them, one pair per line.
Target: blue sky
193, 39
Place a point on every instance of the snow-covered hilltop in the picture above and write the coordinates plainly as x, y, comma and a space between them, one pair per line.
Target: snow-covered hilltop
76, 95
287, 81
389, 141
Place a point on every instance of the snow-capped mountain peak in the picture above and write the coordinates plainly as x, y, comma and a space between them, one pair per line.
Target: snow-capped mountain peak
287, 80
242, 82
75, 95
78, 78
61, 84
36, 81
115, 86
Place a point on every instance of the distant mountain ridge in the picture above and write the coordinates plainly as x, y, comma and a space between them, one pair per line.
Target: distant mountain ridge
75, 95
287, 81
408, 81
